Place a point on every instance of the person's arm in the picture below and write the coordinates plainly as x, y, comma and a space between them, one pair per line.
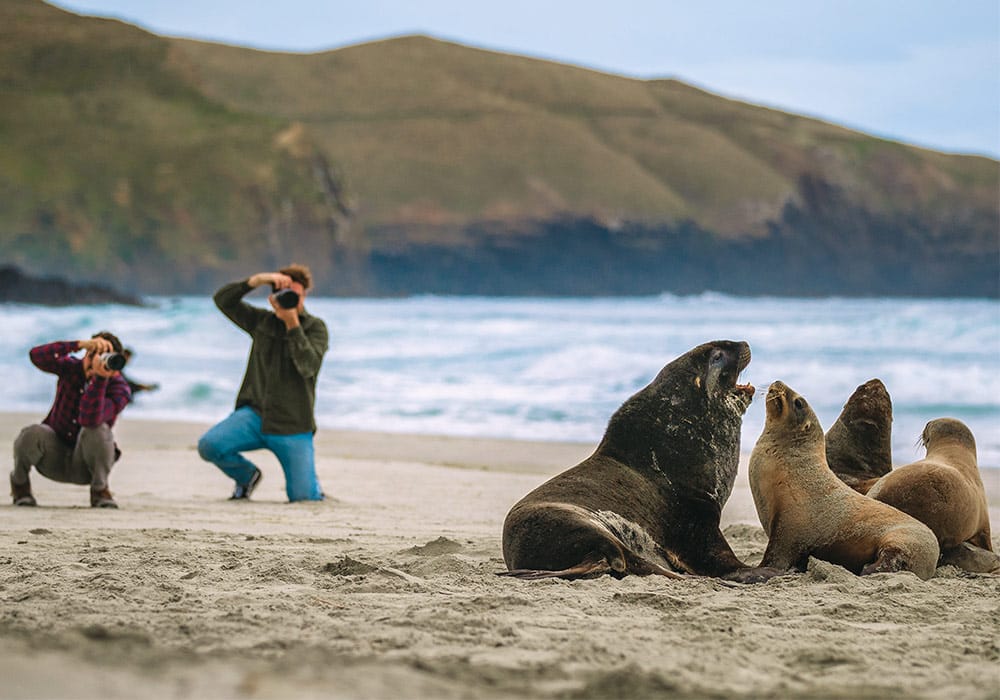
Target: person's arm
102, 400
52, 357
229, 299
307, 349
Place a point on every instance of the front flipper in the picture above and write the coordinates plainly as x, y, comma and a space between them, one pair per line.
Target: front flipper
971, 558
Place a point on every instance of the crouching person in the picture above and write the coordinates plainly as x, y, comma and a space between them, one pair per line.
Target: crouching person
75, 443
274, 406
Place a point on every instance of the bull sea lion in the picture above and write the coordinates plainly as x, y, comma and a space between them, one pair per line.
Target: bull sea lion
807, 510
648, 501
945, 492
859, 443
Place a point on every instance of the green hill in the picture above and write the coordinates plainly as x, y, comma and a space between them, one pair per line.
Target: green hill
415, 165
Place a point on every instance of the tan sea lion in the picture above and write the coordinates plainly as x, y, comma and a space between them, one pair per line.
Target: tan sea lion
648, 501
945, 492
807, 511
859, 443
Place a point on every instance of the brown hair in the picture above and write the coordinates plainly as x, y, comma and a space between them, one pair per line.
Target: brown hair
115, 343
299, 273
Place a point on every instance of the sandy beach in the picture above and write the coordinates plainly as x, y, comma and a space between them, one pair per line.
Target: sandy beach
387, 590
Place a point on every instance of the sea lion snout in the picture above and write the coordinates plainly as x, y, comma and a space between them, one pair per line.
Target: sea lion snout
726, 360
777, 400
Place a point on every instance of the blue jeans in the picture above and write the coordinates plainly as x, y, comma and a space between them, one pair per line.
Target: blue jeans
241, 432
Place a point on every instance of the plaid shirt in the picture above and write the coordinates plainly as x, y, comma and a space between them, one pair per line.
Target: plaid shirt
79, 402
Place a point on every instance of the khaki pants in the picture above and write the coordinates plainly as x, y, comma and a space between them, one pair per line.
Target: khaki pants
89, 462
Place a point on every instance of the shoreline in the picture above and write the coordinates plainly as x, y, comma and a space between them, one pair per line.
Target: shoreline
147, 441
388, 589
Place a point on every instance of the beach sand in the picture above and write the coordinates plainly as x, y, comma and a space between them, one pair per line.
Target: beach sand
387, 590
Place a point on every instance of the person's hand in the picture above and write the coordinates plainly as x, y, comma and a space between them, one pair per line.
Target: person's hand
289, 316
96, 345
275, 279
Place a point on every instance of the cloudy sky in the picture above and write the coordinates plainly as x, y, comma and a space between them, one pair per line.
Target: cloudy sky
922, 71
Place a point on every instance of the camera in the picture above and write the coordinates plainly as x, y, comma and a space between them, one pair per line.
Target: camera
287, 298
113, 361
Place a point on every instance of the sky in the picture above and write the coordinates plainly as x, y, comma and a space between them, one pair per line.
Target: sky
925, 72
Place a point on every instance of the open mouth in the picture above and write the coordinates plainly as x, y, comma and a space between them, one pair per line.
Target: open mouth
741, 365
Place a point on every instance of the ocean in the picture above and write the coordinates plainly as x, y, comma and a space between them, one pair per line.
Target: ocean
546, 369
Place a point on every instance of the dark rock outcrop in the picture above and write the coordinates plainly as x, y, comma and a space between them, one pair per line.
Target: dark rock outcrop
19, 288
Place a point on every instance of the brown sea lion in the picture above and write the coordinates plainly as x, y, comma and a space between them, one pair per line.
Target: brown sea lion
807, 511
648, 501
945, 492
859, 443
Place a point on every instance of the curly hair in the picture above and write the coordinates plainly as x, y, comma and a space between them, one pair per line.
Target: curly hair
107, 335
299, 273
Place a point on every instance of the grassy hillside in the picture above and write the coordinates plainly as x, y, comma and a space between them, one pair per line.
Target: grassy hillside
169, 163
429, 128
113, 163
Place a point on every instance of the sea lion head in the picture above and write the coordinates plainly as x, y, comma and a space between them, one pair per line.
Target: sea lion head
790, 418
859, 443
941, 430
685, 425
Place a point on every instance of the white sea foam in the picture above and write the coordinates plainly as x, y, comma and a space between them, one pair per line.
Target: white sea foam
550, 369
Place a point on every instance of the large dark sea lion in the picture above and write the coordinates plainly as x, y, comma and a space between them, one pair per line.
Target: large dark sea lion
807, 510
944, 490
648, 501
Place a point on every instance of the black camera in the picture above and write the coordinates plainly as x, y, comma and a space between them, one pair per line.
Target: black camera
287, 298
113, 361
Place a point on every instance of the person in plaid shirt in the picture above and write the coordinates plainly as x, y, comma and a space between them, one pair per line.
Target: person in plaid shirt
74, 443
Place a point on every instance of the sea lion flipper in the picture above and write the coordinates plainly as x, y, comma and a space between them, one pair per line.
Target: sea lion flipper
969, 557
590, 567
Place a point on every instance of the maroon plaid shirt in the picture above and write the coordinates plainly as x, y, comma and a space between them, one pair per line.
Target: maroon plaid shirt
79, 402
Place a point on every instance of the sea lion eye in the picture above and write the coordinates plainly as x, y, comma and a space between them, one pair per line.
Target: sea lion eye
799, 403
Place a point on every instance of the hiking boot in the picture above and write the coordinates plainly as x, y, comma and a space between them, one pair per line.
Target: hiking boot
242, 492
22, 493
102, 499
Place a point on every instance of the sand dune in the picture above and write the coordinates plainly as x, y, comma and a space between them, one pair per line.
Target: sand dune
386, 590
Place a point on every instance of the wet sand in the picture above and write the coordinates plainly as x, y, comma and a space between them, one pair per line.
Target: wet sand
387, 590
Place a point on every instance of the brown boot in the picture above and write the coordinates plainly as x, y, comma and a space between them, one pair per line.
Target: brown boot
22, 493
102, 499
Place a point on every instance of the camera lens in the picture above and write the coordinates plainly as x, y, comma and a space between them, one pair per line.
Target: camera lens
112, 360
287, 298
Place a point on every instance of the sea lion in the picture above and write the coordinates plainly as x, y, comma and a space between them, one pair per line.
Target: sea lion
945, 492
806, 510
859, 443
648, 501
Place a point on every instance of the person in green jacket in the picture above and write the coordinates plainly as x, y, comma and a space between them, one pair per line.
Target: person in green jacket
274, 407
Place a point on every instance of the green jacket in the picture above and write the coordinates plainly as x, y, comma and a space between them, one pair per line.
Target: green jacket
280, 381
